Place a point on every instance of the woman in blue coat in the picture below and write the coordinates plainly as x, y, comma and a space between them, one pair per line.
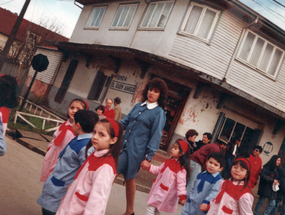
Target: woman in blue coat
143, 127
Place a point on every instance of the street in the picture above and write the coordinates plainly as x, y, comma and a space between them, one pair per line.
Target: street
20, 185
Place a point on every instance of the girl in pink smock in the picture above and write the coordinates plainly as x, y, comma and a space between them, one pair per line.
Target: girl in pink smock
170, 184
90, 190
234, 196
62, 136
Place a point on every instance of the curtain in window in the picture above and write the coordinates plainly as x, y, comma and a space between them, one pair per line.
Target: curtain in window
266, 57
256, 52
206, 24
193, 19
275, 62
164, 14
247, 46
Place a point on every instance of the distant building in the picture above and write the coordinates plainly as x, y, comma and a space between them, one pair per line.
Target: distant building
30, 39
223, 63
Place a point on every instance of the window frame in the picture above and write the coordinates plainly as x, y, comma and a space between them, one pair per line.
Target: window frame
123, 27
149, 21
197, 27
89, 17
257, 68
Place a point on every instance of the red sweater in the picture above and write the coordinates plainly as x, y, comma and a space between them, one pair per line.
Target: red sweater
201, 155
109, 113
256, 165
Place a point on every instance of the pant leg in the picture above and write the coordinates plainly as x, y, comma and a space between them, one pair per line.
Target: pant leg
275, 209
47, 212
150, 210
283, 207
271, 205
195, 170
258, 205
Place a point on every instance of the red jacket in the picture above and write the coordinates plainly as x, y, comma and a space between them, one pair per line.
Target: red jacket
256, 164
201, 155
109, 113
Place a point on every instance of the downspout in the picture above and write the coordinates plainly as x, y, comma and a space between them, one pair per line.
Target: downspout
237, 47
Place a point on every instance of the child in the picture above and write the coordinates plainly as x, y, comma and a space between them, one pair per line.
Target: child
90, 190
100, 110
70, 160
234, 196
170, 184
206, 185
8, 98
62, 136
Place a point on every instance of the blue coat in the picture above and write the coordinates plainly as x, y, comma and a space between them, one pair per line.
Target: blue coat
70, 160
142, 137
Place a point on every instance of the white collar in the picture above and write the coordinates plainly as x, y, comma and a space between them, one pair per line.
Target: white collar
150, 105
84, 136
101, 152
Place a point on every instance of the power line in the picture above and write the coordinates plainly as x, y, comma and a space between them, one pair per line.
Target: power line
279, 3
273, 12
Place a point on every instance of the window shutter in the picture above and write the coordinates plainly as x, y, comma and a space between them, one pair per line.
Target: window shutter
218, 126
97, 86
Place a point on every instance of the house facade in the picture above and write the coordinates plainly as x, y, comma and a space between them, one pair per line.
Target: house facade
223, 63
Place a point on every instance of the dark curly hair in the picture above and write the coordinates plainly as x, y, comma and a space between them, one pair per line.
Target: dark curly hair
159, 84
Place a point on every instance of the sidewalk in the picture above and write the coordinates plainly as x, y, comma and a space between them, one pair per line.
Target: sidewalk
117, 202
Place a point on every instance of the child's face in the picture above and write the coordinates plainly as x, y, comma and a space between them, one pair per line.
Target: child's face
175, 151
101, 138
99, 111
238, 172
73, 108
213, 166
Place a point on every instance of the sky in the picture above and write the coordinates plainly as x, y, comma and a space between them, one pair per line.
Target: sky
65, 14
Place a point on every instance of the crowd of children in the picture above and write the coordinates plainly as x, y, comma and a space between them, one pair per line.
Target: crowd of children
81, 164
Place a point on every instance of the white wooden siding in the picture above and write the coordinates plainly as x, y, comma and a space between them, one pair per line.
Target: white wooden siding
258, 85
54, 58
213, 58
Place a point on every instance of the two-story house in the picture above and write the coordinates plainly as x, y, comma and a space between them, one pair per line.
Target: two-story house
222, 61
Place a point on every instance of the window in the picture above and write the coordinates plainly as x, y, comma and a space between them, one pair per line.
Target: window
124, 16
260, 54
200, 21
95, 17
156, 15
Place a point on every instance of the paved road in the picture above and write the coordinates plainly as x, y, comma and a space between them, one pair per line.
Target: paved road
20, 186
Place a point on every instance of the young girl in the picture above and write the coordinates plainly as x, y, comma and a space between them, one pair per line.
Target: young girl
62, 136
100, 110
170, 184
90, 190
234, 196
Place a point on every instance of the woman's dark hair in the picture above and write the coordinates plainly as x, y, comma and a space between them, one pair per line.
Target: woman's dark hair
159, 84
9, 91
78, 100
243, 165
184, 159
191, 133
115, 149
272, 162
100, 107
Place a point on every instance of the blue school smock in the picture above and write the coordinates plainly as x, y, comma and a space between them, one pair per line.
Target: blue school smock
70, 160
205, 188
142, 137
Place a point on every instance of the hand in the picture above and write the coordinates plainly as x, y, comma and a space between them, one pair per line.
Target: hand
203, 207
145, 165
182, 202
276, 182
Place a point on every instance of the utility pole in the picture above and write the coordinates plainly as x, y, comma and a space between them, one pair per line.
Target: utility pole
13, 34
